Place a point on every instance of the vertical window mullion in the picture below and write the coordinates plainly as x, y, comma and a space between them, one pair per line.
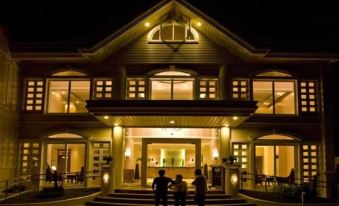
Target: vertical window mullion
172, 89
273, 96
69, 96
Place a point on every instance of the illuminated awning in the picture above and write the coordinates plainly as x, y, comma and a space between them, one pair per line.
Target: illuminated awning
171, 113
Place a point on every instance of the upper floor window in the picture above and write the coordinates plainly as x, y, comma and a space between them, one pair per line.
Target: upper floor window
172, 32
179, 86
274, 95
34, 90
69, 73
67, 95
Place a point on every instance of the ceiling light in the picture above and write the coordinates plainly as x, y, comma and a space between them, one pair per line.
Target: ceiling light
235, 118
116, 124
199, 24
147, 24
106, 117
172, 122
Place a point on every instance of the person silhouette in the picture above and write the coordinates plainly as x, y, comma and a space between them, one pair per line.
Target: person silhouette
160, 187
180, 191
200, 184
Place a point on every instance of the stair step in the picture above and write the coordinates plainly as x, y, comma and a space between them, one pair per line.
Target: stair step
96, 203
151, 195
149, 191
170, 201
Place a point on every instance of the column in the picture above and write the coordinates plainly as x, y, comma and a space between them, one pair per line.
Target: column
225, 138
118, 155
222, 82
119, 83
144, 163
198, 154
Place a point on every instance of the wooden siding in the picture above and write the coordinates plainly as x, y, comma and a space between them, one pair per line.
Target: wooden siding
204, 52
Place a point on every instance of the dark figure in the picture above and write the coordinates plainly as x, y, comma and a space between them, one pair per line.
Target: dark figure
200, 184
55, 179
160, 187
180, 191
80, 175
49, 174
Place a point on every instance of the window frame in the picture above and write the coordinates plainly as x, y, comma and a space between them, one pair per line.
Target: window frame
173, 24
272, 80
34, 98
69, 79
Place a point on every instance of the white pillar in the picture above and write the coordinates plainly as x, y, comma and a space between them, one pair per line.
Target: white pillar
118, 155
225, 138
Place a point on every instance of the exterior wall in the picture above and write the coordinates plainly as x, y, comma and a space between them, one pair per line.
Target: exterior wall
8, 110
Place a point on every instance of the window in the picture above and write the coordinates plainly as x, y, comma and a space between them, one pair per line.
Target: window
310, 165
69, 73
173, 32
30, 157
68, 96
136, 88
275, 96
308, 96
208, 89
103, 89
240, 151
34, 90
240, 89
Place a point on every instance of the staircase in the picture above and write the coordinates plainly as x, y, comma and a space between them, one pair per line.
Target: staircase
146, 198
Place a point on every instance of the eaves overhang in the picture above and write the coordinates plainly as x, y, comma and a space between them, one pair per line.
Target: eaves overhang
175, 113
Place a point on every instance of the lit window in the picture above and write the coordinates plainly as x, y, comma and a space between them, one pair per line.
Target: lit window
103, 89
173, 32
308, 101
34, 95
240, 89
240, 151
208, 89
30, 157
309, 161
274, 96
136, 88
68, 96
69, 73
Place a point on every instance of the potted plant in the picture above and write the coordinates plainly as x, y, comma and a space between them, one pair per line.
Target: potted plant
108, 159
231, 159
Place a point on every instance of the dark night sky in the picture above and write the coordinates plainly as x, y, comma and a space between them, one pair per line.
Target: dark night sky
306, 25
297, 25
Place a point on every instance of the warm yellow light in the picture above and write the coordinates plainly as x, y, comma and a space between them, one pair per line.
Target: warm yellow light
128, 153
199, 24
172, 122
235, 118
215, 153
53, 168
147, 24
234, 179
116, 124
106, 117
105, 177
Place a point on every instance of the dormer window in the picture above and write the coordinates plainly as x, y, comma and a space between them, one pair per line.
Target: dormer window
173, 32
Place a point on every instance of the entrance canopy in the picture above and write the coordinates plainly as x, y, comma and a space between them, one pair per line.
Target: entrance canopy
174, 113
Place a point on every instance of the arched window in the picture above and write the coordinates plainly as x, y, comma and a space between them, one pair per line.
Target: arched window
65, 135
275, 93
172, 85
173, 32
69, 73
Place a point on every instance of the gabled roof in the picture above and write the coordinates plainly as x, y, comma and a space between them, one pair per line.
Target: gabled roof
155, 15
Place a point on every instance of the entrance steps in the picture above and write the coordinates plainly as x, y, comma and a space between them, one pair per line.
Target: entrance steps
146, 198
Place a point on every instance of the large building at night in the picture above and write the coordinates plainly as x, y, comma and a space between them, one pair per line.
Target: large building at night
171, 89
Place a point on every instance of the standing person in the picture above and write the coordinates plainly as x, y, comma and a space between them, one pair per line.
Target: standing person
200, 184
180, 191
160, 186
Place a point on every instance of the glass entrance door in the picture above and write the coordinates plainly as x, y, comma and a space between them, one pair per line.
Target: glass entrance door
274, 160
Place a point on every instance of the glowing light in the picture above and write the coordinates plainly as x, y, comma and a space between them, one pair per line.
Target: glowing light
53, 167
116, 124
147, 24
215, 154
105, 177
234, 179
172, 122
199, 24
235, 118
106, 117
128, 153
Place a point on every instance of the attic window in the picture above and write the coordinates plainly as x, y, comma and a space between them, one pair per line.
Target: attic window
173, 32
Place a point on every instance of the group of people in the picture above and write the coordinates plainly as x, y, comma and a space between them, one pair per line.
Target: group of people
161, 184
